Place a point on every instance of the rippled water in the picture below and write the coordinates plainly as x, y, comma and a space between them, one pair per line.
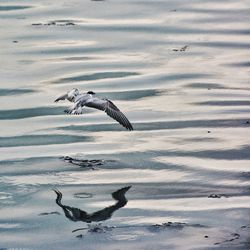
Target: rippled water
179, 70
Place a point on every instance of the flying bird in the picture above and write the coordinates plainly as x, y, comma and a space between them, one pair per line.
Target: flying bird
89, 100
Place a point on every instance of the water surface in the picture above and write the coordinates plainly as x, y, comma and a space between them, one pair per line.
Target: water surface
179, 70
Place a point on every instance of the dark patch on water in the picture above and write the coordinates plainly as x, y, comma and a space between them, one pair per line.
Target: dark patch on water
27, 161
70, 50
49, 213
215, 11
130, 95
213, 19
225, 45
210, 86
239, 64
224, 103
205, 86
172, 225
155, 228
86, 163
182, 49
10, 92
13, 7
96, 76
156, 29
29, 112
233, 237
30, 140
56, 23
218, 196
183, 76
163, 226
227, 154
200, 139
97, 228
77, 58
245, 174
223, 123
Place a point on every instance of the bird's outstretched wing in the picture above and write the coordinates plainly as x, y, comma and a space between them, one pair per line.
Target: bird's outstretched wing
110, 109
62, 97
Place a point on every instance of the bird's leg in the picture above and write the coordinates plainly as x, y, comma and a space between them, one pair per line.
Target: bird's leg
76, 109
72, 109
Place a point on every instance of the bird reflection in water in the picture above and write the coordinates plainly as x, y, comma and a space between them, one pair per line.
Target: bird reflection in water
76, 214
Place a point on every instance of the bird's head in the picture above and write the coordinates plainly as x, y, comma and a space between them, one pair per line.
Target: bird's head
75, 92
91, 93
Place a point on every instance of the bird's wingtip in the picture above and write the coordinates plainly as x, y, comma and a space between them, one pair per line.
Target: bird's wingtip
130, 128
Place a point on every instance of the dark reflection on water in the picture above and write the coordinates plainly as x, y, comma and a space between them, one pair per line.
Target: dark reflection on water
29, 140
13, 7
9, 92
204, 85
131, 95
75, 58
29, 112
239, 64
232, 154
65, 51
76, 214
227, 123
152, 29
225, 45
85, 163
31, 160
136, 161
48, 213
225, 103
180, 76
215, 11
96, 76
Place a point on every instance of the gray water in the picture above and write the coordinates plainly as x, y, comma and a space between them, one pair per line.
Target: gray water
179, 70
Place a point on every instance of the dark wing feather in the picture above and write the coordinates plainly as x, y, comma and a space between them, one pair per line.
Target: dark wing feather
120, 117
112, 105
96, 103
111, 110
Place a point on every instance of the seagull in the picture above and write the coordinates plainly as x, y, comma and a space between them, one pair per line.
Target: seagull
89, 100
